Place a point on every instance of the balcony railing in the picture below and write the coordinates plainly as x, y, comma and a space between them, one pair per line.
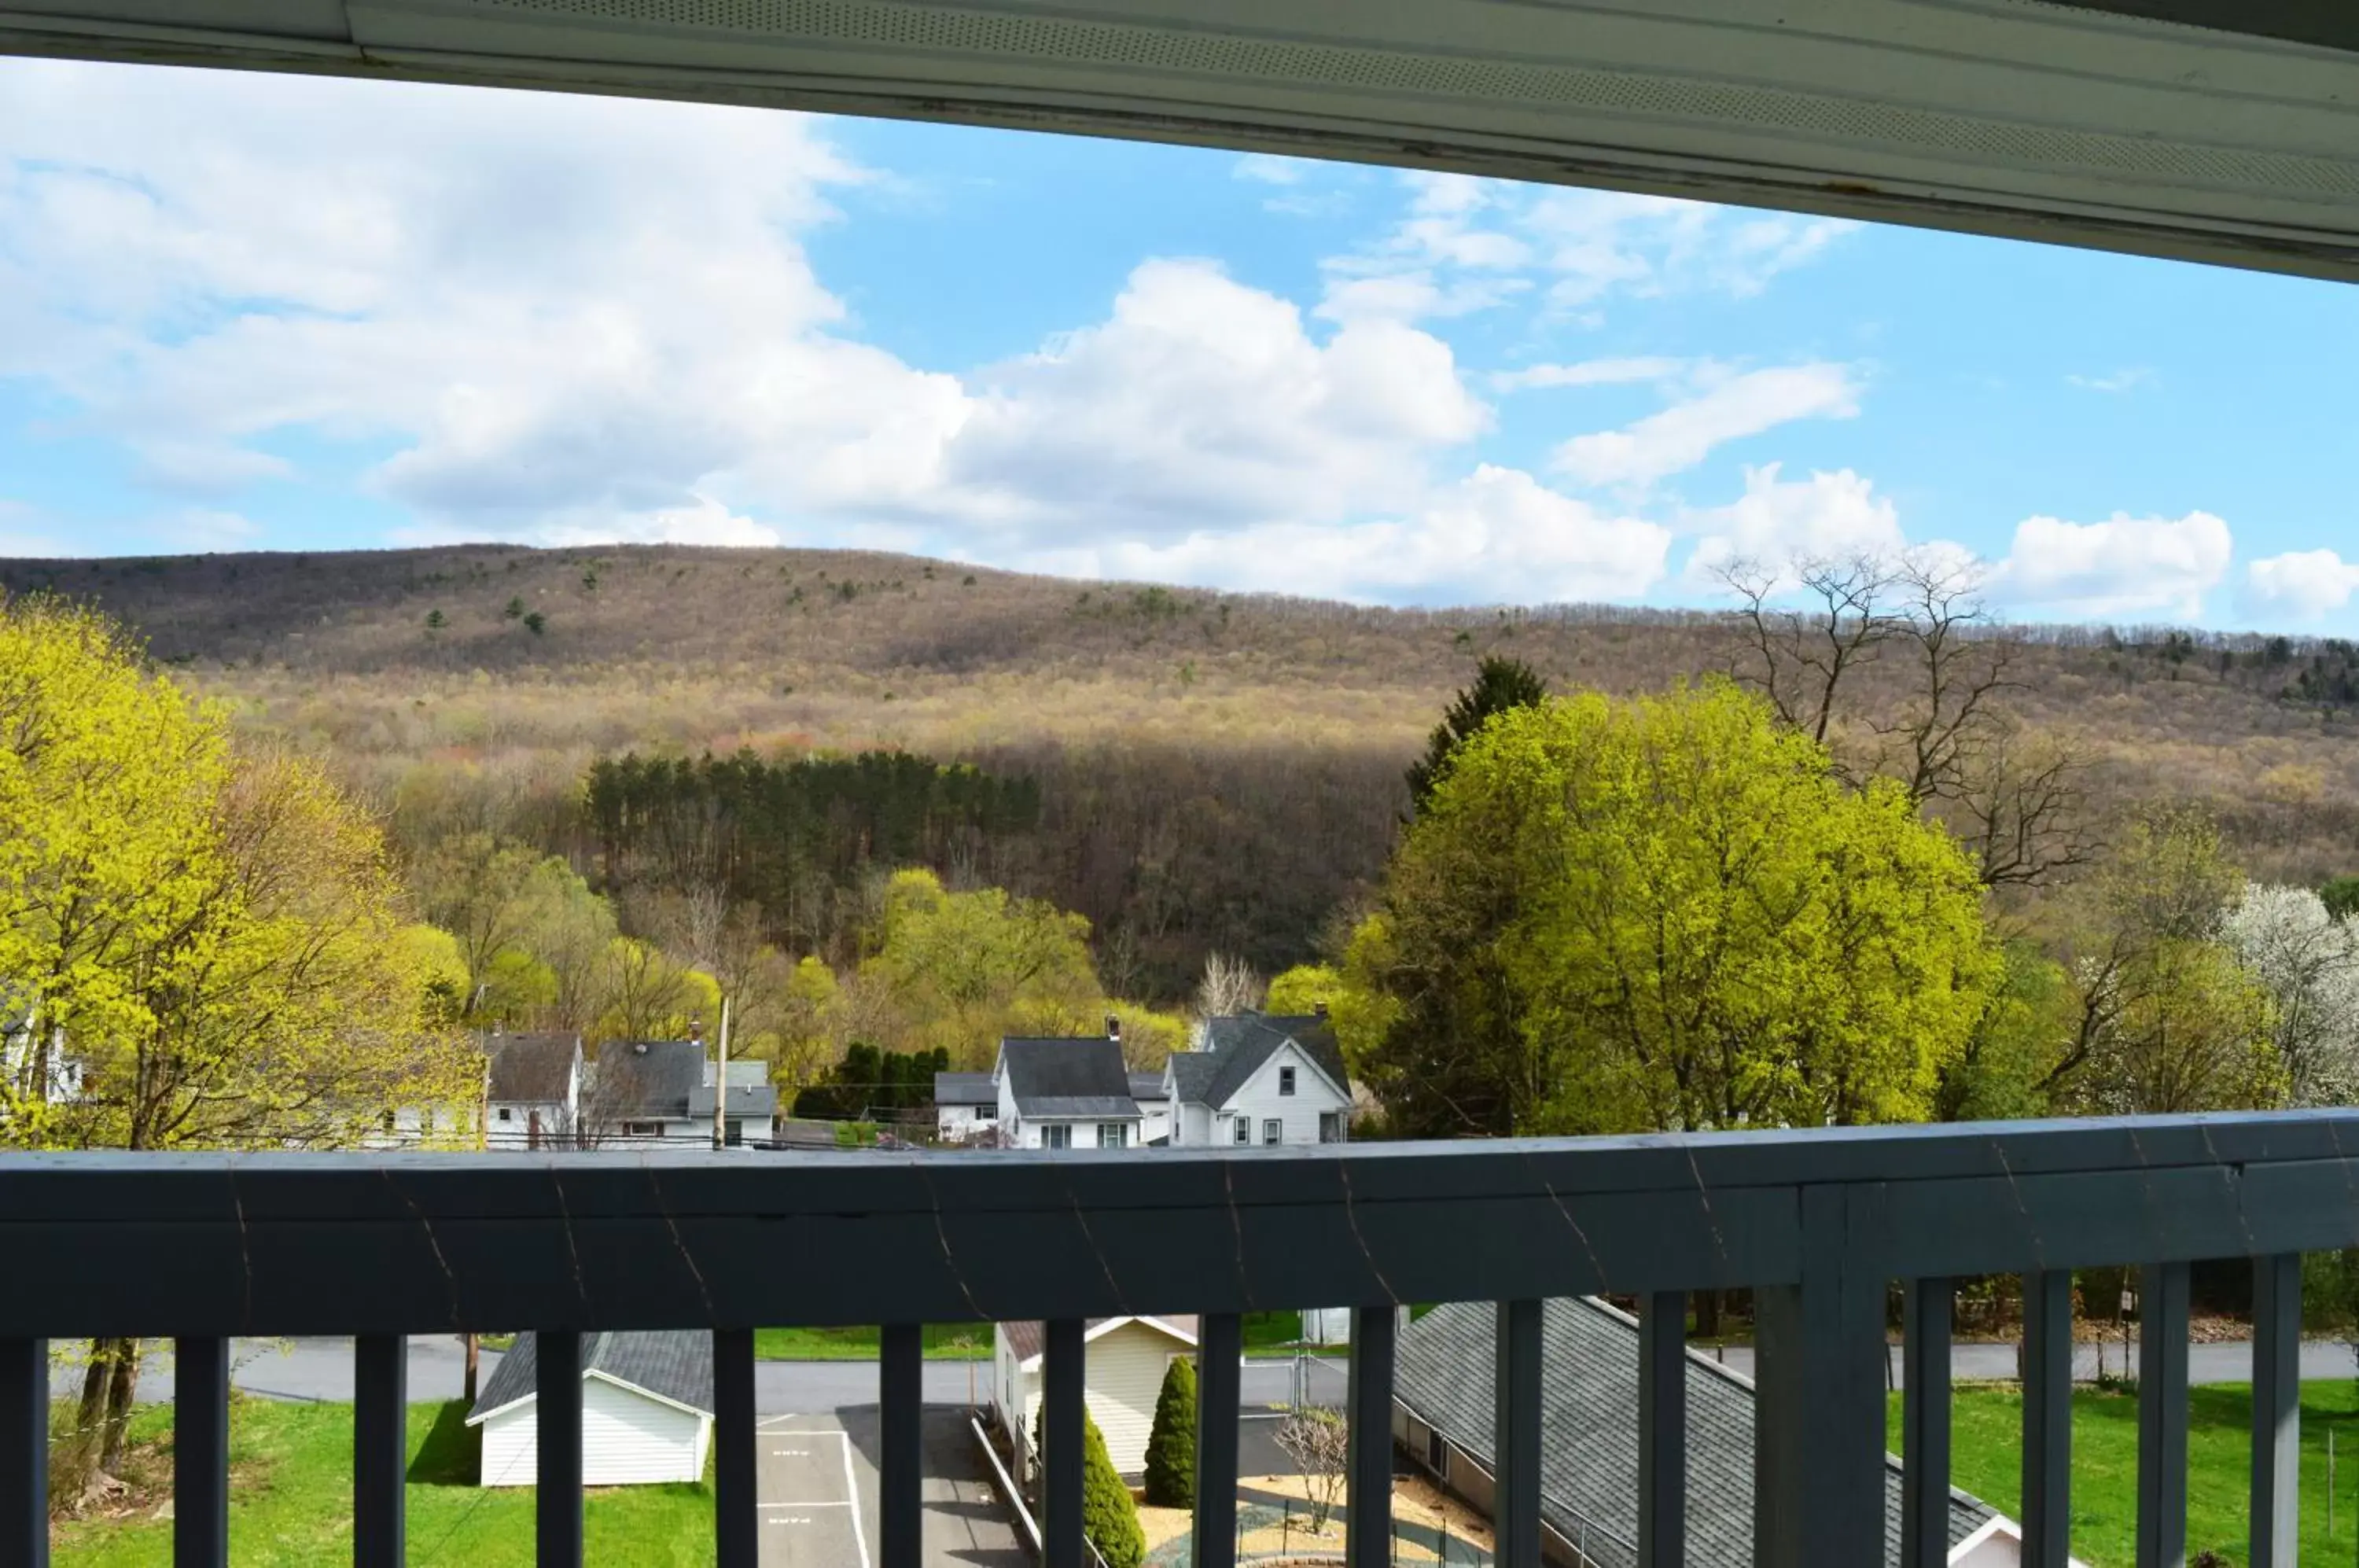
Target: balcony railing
1818, 1223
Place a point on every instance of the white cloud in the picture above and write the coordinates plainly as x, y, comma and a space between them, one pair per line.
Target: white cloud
1498, 535
1682, 435
2303, 584
2120, 566
1778, 522
1267, 169
2119, 381
1589, 373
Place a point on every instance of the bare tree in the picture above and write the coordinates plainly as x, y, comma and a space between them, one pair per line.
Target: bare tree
1318, 1442
1230, 986
1938, 723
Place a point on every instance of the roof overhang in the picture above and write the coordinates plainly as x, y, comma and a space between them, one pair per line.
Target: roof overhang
2213, 130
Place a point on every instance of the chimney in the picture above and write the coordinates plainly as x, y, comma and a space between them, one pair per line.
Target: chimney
1319, 1010
1113, 1028
696, 1030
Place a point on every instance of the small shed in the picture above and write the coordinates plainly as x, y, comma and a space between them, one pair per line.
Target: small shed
646, 1410
1123, 1361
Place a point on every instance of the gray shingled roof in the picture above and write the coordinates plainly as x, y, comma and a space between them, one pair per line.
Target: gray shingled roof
1589, 1415
1147, 1085
1236, 1045
650, 1079
531, 1067
674, 1363
745, 1100
965, 1089
1082, 1077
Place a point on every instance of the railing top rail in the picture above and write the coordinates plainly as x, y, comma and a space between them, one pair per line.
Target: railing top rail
422, 1242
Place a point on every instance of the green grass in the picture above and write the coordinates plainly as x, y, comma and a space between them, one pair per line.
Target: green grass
944, 1342
1987, 1458
291, 1501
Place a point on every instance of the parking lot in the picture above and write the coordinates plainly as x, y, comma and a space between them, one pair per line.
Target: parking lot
818, 1490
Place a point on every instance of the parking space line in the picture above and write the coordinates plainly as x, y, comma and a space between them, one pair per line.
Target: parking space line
852, 1489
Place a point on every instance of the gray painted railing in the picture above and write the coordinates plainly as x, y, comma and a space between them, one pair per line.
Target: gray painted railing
1818, 1223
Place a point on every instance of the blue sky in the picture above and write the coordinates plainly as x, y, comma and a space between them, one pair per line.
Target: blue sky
254, 312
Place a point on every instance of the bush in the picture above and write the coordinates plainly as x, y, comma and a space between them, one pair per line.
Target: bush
1109, 1514
1172, 1446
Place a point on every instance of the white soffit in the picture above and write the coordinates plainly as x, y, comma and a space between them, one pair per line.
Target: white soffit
2214, 130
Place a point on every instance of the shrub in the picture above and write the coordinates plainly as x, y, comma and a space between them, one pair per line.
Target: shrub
1171, 1446
1109, 1514
536, 623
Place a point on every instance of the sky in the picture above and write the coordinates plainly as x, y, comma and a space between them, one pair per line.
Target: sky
258, 313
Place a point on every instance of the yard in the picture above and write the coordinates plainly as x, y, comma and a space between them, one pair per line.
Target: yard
1987, 1457
291, 1503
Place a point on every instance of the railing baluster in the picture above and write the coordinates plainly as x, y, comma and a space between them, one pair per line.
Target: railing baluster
380, 1448
1064, 1370
1819, 1450
1516, 1435
1663, 1430
200, 1453
1925, 1424
2162, 1417
2047, 1418
2275, 1540
1220, 1350
556, 1412
25, 1451
901, 1412
1368, 1480
736, 1459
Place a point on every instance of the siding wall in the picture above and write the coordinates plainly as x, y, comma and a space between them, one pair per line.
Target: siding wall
627, 1439
1194, 1128
1126, 1366
1258, 1097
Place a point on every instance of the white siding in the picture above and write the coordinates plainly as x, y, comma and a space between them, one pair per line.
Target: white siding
628, 1439
1124, 1375
1154, 1120
1257, 1098
1194, 1127
515, 1132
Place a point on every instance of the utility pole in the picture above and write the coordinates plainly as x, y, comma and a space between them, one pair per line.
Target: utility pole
721, 1083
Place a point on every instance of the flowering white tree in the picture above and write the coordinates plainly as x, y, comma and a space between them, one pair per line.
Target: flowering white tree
2308, 960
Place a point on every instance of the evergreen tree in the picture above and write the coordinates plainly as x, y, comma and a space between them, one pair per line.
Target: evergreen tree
1500, 684
1109, 1514
1172, 1446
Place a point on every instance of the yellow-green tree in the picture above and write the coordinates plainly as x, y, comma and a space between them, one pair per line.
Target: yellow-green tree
1306, 988
1666, 914
959, 970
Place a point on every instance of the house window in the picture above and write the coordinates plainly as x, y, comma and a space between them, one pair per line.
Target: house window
505, 1115
1056, 1135
1245, 1130
1113, 1134
643, 1129
1273, 1131
1437, 1455
1286, 1079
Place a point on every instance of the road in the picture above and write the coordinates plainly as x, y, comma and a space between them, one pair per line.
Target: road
312, 1370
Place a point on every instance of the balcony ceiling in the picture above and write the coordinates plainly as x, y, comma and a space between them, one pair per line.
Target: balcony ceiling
2214, 130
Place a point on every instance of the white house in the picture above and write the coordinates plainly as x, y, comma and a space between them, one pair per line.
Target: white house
1065, 1093
532, 1097
1154, 1107
660, 1091
966, 1106
646, 1410
1124, 1363
1255, 1078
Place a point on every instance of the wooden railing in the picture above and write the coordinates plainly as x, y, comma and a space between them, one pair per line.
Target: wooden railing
1818, 1223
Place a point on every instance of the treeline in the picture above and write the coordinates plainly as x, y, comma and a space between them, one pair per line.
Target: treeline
1169, 852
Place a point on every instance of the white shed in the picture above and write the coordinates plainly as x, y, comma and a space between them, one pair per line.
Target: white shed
646, 1410
1124, 1360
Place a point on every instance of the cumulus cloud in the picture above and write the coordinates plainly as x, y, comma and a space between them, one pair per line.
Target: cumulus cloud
1731, 408
2121, 566
1498, 535
2301, 585
1779, 521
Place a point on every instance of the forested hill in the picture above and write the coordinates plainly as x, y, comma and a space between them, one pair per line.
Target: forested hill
1215, 770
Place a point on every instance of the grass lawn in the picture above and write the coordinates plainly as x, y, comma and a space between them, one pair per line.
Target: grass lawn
944, 1342
1987, 1460
291, 1501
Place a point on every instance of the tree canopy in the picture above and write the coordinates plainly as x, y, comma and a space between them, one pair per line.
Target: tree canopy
1670, 914
1500, 684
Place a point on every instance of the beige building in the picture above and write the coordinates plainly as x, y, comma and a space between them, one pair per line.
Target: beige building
1126, 1359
